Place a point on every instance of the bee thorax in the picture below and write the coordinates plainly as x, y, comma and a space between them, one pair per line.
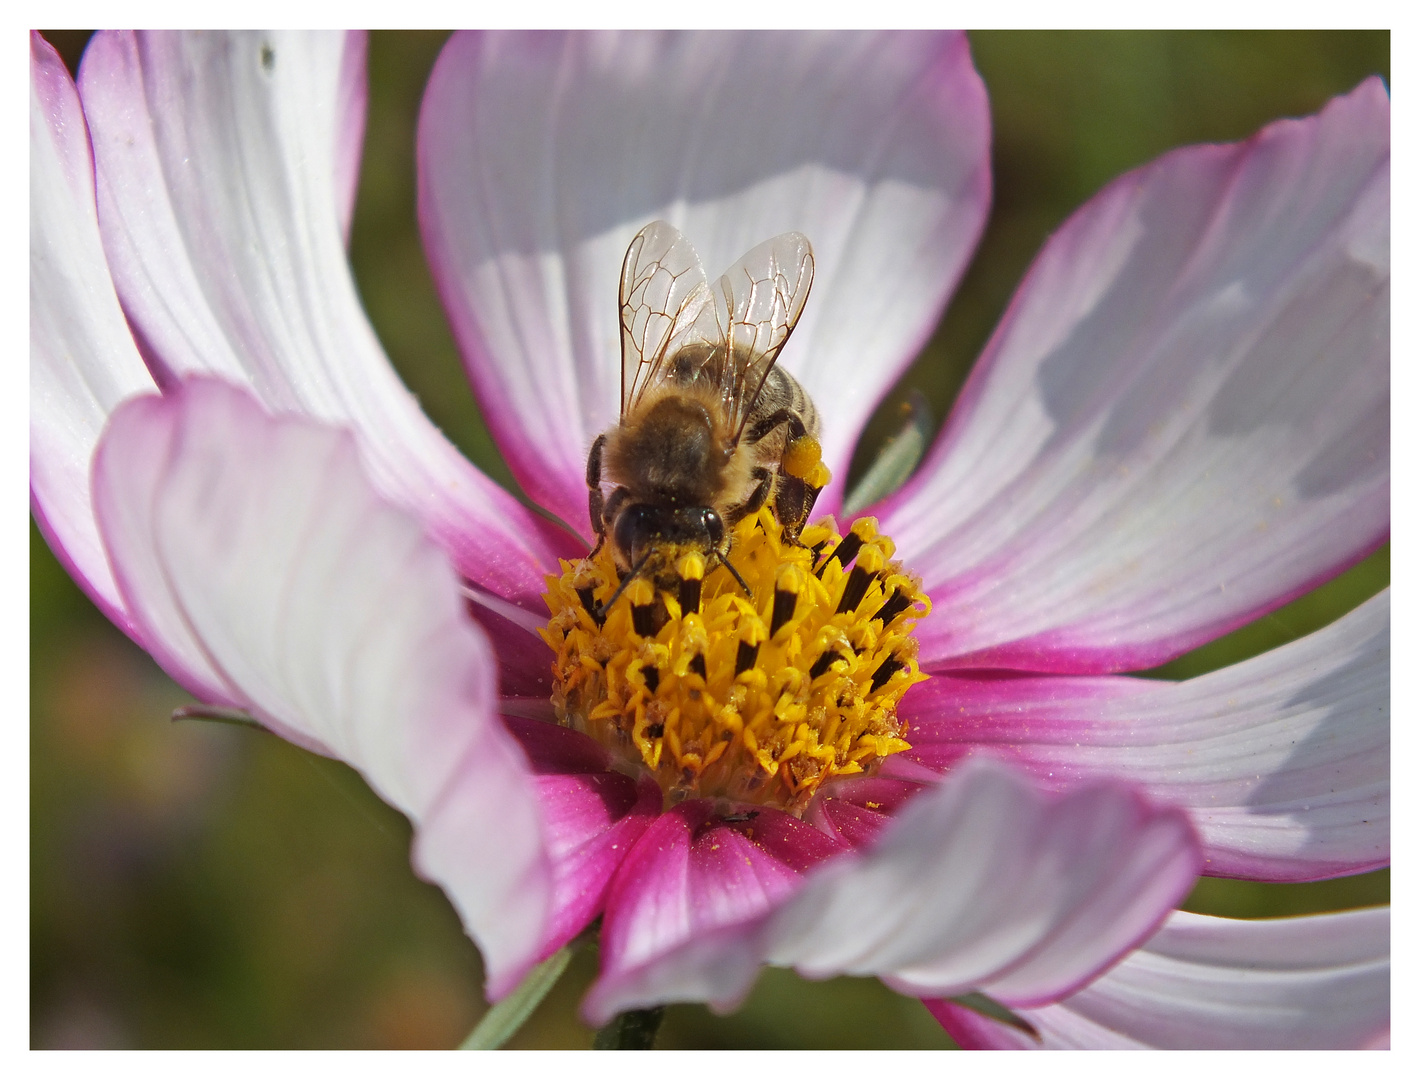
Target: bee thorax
670, 453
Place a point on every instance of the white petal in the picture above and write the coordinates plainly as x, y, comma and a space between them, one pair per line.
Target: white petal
1183, 420
354, 95
541, 155
224, 165
82, 358
982, 883
259, 546
1311, 983
1282, 761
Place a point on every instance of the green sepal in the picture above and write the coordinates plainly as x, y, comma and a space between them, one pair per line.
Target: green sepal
219, 715
993, 1010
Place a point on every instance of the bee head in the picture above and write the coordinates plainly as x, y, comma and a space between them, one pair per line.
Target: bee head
645, 531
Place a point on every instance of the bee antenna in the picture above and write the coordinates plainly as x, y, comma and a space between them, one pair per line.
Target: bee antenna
731, 568
627, 580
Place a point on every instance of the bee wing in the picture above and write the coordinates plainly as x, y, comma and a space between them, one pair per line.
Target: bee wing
663, 292
753, 310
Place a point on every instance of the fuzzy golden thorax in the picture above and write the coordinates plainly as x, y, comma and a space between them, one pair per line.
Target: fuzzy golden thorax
675, 450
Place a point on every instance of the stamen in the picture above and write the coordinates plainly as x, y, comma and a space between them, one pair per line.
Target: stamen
848, 548
757, 690
691, 568
745, 657
787, 587
824, 662
589, 602
897, 603
886, 670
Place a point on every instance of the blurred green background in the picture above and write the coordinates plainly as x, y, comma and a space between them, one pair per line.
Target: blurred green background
194, 885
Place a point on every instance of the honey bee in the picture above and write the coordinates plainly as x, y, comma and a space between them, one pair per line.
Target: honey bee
710, 430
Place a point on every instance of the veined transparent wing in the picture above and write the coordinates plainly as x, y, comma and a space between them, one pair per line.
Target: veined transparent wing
752, 312
663, 292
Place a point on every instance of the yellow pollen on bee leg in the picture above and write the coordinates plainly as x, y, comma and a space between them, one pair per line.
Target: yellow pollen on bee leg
802, 456
761, 698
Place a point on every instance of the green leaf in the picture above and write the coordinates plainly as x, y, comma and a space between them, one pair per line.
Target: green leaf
501, 1022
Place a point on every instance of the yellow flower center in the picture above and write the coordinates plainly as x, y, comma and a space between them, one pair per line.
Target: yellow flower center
756, 699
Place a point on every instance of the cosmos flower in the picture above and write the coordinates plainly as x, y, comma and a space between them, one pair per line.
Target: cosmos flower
1181, 423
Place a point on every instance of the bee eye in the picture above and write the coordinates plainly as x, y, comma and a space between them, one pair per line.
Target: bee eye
714, 526
635, 527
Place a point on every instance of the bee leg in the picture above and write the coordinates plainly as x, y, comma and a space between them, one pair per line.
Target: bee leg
596, 502
767, 424
801, 471
604, 513
757, 498
793, 502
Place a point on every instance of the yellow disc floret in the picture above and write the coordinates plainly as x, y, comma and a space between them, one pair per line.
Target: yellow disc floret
759, 698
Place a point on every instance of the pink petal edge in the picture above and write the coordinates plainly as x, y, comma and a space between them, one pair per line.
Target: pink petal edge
1181, 422
526, 216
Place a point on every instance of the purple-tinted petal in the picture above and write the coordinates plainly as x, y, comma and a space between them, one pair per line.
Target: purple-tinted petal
1183, 420
256, 549
542, 154
1282, 761
858, 809
591, 818
82, 358
986, 883
675, 919
1312, 983
224, 166
982, 883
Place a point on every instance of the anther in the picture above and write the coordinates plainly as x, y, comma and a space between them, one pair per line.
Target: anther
896, 604
790, 582
857, 587
589, 602
647, 619
864, 529
845, 552
824, 662
690, 568
886, 670
689, 596
745, 656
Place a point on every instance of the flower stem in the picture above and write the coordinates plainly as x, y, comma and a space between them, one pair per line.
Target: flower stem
502, 1021
634, 1030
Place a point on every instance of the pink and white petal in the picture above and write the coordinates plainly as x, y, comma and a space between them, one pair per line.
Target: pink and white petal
1182, 421
541, 155
224, 171
988, 883
354, 96
1281, 761
682, 908
592, 816
1318, 982
982, 882
82, 358
259, 545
